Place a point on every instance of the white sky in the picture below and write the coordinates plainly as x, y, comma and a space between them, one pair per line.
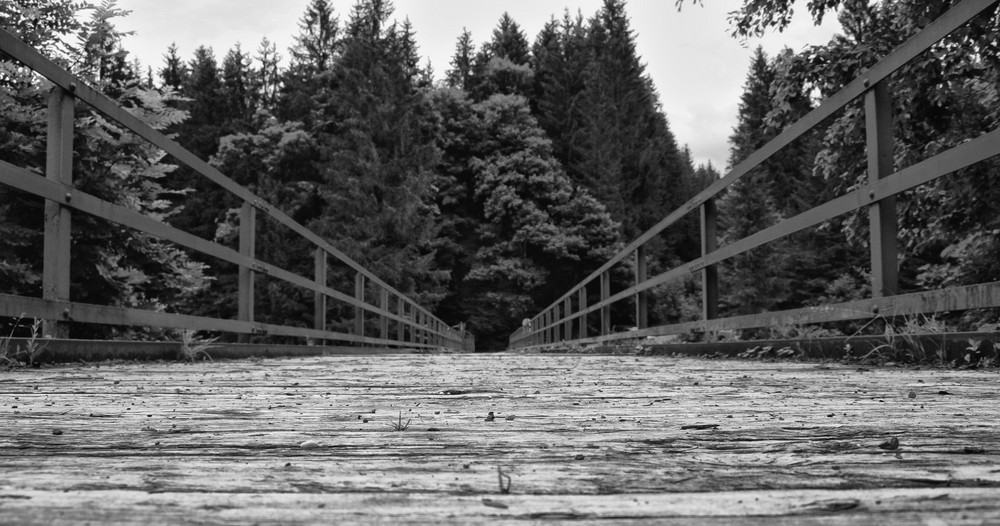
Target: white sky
698, 69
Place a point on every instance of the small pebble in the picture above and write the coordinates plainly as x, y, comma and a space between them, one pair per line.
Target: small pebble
892, 443
510, 417
309, 444
490, 417
913, 394
57, 431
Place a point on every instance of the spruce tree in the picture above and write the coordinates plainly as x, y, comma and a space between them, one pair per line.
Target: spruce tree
623, 149
461, 62
533, 233
269, 76
174, 73
316, 51
377, 133
502, 64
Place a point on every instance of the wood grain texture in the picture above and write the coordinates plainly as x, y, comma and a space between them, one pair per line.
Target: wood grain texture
581, 437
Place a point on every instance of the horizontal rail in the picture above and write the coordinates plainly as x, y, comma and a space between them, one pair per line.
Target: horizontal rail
551, 320
16, 306
978, 296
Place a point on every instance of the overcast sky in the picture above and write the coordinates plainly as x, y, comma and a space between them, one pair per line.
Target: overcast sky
697, 67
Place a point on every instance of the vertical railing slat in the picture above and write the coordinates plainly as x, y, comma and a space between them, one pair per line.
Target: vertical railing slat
710, 274
606, 309
58, 220
567, 328
248, 242
582, 305
383, 319
641, 298
400, 326
359, 295
881, 214
319, 297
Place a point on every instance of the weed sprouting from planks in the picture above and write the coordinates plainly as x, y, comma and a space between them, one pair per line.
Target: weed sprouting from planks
501, 477
6, 356
33, 345
399, 425
902, 342
192, 346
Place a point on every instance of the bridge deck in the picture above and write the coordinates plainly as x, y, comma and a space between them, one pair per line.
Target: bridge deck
580, 437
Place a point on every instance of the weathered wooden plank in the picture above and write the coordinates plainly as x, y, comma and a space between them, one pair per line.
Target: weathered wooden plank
590, 436
953, 506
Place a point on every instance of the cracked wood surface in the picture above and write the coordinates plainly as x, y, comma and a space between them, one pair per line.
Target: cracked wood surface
581, 437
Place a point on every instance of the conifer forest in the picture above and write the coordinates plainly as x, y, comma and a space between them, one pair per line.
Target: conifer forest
486, 190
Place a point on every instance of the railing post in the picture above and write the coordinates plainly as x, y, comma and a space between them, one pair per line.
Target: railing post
582, 303
605, 310
641, 298
319, 298
248, 242
554, 321
359, 313
710, 274
415, 328
383, 319
400, 326
58, 221
567, 328
881, 214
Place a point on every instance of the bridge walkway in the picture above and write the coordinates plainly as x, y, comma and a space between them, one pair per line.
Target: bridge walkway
407, 437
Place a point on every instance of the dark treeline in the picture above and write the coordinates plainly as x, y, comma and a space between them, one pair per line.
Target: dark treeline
487, 193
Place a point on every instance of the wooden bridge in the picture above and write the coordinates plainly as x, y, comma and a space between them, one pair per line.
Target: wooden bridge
392, 421
477, 438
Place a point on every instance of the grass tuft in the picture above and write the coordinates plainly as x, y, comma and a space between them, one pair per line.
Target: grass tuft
192, 346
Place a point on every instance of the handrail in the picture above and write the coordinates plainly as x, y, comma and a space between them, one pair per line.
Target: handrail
424, 329
555, 322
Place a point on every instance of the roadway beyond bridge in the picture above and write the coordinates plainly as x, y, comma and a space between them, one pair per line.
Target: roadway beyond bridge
463, 438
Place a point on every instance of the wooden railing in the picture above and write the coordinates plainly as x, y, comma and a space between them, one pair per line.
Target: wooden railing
401, 322
565, 320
